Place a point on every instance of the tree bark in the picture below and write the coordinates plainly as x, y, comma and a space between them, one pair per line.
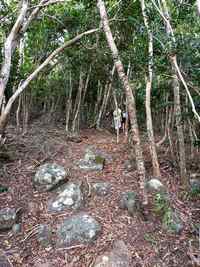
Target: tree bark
8, 50
177, 102
150, 132
68, 103
129, 96
78, 97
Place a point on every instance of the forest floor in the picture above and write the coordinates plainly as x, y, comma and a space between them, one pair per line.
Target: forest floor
149, 244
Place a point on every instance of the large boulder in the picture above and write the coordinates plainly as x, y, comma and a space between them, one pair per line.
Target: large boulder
49, 175
70, 197
8, 217
91, 161
119, 256
77, 229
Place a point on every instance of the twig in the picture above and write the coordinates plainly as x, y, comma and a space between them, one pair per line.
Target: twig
72, 247
33, 231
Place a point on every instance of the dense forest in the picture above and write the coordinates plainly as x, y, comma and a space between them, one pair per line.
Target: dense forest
99, 133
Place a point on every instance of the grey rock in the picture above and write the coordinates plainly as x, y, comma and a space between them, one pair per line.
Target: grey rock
91, 161
129, 201
101, 188
16, 228
119, 256
8, 218
172, 222
104, 155
89, 155
77, 229
129, 165
195, 185
48, 176
154, 185
44, 235
70, 197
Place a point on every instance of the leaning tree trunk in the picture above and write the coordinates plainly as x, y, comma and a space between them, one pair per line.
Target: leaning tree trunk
23, 85
129, 96
152, 145
176, 90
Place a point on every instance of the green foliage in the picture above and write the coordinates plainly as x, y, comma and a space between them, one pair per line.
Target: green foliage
161, 203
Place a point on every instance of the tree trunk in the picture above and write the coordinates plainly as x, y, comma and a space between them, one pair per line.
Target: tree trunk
68, 103
177, 103
78, 101
152, 146
107, 90
8, 50
129, 96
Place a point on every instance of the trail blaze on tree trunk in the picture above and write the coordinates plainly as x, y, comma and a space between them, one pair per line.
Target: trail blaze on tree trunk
129, 96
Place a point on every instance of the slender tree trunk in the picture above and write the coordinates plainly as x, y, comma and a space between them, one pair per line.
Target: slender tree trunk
177, 103
79, 95
152, 146
129, 96
107, 90
68, 103
116, 108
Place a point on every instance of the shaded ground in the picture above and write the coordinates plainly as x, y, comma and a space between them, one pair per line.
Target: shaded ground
148, 243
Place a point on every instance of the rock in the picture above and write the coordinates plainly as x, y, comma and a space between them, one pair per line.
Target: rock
4, 261
8, 217
16, 228
104, 155
195, 183
44, 235
172, 222
48, 176
89, 154
101, 188
71, 197
78, 229
129, 165
154, 185
91, 161
118, 257
129, 201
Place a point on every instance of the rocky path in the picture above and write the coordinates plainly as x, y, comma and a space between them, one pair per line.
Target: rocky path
107, 231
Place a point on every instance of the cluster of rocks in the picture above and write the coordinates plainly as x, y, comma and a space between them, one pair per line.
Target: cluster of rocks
82, 228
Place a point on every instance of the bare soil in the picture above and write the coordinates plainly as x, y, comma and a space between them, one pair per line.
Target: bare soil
149, 244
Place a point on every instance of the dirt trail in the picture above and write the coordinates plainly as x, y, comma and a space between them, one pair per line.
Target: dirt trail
148, 243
